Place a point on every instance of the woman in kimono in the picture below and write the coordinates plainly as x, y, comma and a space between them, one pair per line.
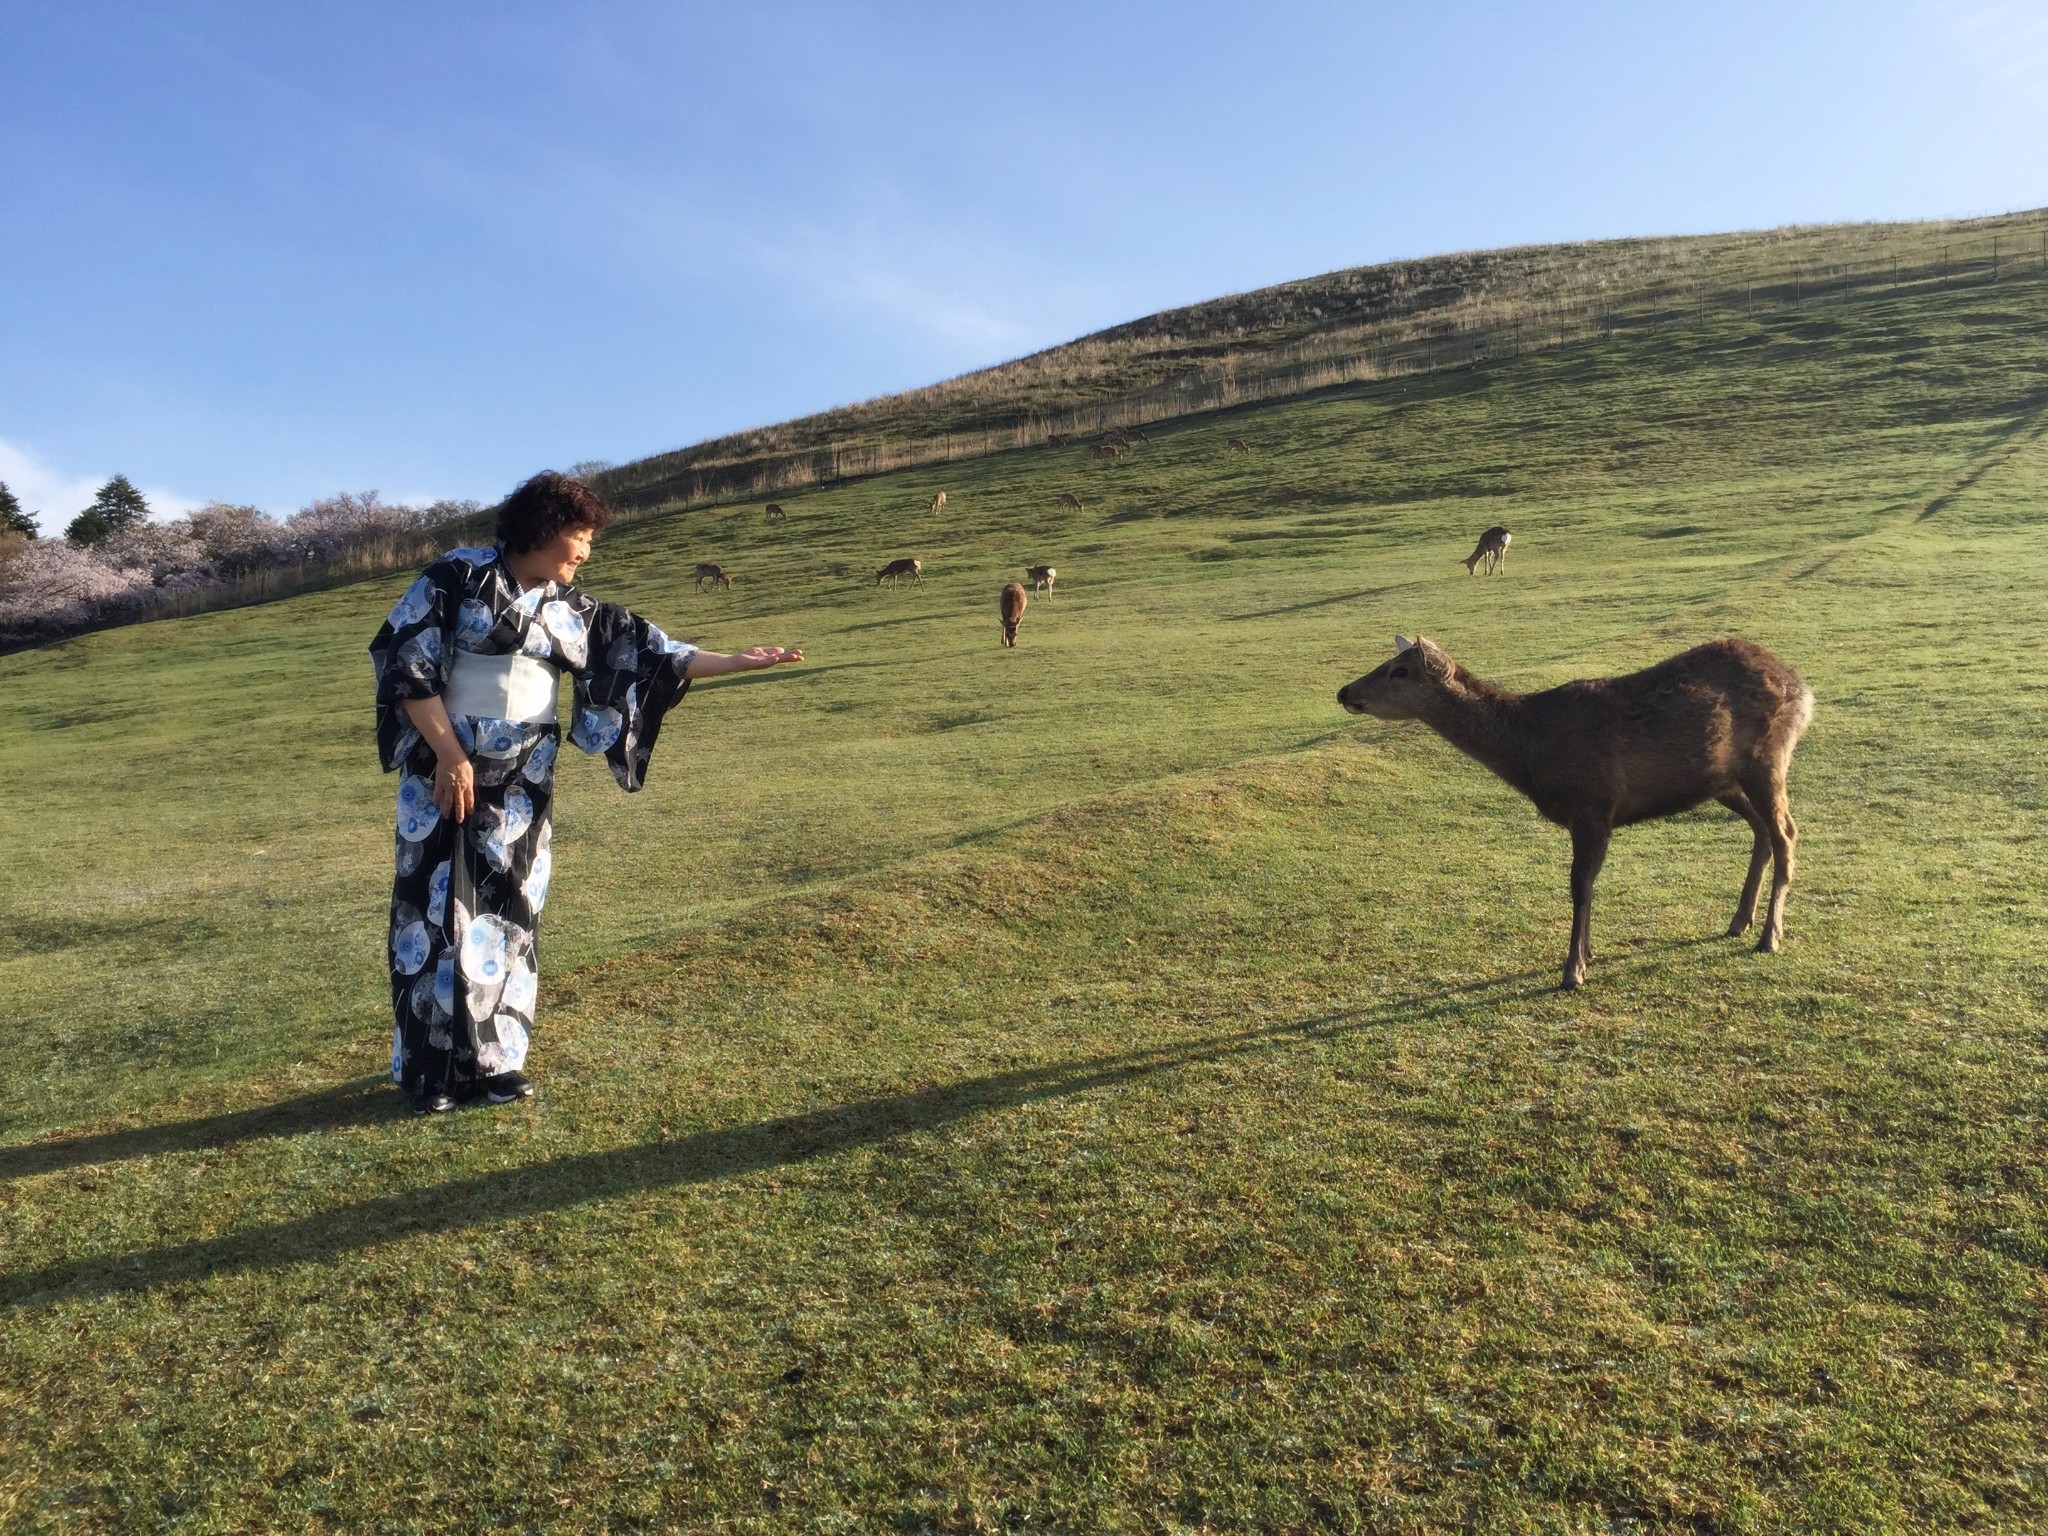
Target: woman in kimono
467, 667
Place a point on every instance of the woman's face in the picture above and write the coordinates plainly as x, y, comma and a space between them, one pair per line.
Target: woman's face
561, 556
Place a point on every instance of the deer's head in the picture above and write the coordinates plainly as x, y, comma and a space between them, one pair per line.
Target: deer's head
1399, 689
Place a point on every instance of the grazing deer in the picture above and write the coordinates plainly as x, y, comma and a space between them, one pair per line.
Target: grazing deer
1492, 551
1011, 605
938, 501
713, 573
914, 569
1120, 436
1717, 722
1239, 445
1108, 450
773, 513
1041, 577
1069, 502
1057, 439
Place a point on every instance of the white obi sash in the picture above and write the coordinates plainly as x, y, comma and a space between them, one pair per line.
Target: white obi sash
510, 687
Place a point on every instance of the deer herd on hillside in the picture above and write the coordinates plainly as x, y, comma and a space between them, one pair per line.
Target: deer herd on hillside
1717, 723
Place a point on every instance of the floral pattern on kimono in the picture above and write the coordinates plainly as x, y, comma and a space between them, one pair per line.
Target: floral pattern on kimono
466, 902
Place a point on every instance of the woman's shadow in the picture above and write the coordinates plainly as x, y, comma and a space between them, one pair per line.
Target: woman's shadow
707, 1156
357, 1102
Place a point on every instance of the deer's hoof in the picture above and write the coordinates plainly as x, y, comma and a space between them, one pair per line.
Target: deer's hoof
1573, 980
1738, 928
1768, 944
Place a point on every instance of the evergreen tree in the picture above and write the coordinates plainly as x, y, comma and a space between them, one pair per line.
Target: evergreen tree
121, 505
117, 507
12, 518
88, 528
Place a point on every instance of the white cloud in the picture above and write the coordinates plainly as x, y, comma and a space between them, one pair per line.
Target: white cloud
54, 497
48, 494
166, 504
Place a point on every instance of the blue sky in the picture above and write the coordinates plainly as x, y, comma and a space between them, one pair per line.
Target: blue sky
268, 252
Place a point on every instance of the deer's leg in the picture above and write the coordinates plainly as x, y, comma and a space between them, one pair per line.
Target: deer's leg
1759, 856
1769, 798
1589, 852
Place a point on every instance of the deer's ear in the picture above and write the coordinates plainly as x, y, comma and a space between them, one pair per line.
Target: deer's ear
1434, 661
1402, 643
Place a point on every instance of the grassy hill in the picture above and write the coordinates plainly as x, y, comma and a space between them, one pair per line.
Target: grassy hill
1396, 320
1099, 1085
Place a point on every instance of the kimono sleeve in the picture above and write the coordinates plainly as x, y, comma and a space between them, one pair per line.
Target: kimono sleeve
413, 652
631, 678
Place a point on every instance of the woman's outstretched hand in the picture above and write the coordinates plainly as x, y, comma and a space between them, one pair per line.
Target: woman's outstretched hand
718, 663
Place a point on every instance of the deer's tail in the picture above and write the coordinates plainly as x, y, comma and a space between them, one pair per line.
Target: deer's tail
1804, 718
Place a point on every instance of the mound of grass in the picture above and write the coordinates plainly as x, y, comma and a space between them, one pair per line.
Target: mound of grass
1097, 1085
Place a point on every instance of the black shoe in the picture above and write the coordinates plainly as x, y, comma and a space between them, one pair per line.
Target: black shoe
431, 1099
504, 1087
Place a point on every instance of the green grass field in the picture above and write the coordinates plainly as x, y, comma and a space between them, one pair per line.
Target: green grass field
1100, 1086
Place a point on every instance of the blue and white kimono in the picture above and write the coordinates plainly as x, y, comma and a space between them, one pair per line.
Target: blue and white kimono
465, 910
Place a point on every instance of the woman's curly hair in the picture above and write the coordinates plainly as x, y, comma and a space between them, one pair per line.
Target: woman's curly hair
546, 505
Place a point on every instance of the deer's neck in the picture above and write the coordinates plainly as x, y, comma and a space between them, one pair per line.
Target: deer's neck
1484, 723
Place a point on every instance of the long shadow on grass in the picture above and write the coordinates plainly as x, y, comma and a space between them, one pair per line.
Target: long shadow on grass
1315, 602
352, 1103
489, 1199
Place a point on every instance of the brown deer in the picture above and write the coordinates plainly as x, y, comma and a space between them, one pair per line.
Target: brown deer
1717, 722
1108, 450
1238, 445
1041, 577
914, 569
773, 513
713, 573
938, 501
1011, 605
1057, 439
1492, 551
1069, 502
